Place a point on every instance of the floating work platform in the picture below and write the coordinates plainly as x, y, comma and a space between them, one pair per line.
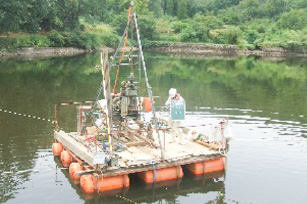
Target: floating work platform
141, 157
122, 134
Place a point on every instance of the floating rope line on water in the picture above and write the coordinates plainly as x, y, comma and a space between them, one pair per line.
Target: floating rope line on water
75, 103
131, 201
27, 116
29, 171
233, 201
125, 199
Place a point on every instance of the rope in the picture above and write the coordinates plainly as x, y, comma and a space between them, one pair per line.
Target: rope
75, 103
221, 149
233, 201
111, 64
204, 166
154, 172
96, 179
5, 173
178, 172
123, 49
153, 168
149, 88
125, 199
28, 116
117, 49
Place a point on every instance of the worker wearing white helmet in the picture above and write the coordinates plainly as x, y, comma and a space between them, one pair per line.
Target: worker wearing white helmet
173, 124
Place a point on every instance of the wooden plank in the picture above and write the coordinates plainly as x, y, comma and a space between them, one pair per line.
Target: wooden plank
124, 64
120, 56
184, 130
148, 141
107, 93
129, 144
130, 170
75, 147
209, 145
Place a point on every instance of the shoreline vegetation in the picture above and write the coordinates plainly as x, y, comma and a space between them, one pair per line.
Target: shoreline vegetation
211, 27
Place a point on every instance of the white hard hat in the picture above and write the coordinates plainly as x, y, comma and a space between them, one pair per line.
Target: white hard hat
172, 92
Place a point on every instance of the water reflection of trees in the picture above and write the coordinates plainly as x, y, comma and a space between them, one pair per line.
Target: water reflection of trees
20, 139
234, 82
242, 82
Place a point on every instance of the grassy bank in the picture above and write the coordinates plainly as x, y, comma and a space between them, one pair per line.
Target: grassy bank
90, 37
248, 24
167, 32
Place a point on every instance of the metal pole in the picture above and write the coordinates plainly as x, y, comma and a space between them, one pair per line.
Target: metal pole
164, 147
117, 49
131, 38
140, 72
222, 133
80, 120
111, 65
149, 89
107, 92
56, 117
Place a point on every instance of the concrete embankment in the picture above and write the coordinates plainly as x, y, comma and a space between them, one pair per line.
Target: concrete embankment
220, 49
175, 48
47, 52
41, 52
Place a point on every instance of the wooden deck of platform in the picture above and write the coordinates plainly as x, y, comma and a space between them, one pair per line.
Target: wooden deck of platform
138, 158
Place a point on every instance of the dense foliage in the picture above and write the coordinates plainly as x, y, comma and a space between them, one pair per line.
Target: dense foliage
251, 24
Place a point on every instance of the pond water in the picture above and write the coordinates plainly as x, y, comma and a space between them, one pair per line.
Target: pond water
265, 101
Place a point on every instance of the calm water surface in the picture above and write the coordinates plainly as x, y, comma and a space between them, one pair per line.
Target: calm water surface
266, 102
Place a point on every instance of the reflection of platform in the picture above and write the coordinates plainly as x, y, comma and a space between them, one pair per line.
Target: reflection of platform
172, 189
165, 190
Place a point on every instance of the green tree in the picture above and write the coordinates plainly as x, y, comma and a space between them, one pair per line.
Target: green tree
217, 5
295, 19
226, 35
182, 11
169, 10
141, 6
147, 26
94, 10
273, 8
155, 7
198, 6
10, 20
